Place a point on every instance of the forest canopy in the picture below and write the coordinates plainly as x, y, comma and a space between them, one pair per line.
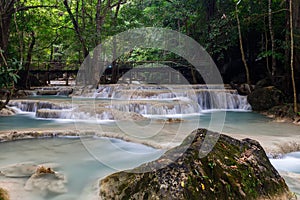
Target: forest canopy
248, 37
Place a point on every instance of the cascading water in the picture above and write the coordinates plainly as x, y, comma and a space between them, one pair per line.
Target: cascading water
208, 100
113, 102
34, 105
207, 97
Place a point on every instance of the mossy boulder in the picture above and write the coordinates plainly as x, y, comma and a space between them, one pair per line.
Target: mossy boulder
4, 194
265, 98
233, 169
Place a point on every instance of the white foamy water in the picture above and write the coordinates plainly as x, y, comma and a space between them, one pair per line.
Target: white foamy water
151, 101
207, 97
146, 100
289, 162
289, 167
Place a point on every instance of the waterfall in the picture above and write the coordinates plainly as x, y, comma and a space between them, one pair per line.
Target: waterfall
208, 97
211, 100
119, 102
34, 105
157, 108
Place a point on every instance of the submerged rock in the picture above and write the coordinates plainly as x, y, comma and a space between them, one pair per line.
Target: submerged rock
27, 169
234, 169
46, 181
19, 170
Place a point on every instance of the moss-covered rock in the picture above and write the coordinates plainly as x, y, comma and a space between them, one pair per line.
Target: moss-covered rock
4, 194
234, 169
265, 98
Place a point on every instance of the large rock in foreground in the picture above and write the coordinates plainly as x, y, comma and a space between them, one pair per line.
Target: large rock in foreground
232, 170
265, 98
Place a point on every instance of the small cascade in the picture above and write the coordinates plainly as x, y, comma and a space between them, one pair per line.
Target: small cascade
64, 91
34, 105
212, 100
53, 114
157, 108
212, 97
127, 101
103, 92
61, 91
81, 114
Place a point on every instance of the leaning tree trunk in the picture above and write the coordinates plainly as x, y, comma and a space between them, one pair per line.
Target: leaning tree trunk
4, 98
241, 45
292, 56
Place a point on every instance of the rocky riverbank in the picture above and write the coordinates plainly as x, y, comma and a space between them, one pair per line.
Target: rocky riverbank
283, 113
271, 102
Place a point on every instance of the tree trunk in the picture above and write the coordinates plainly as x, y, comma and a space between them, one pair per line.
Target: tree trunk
267, 58
241, 46
193, 72
98, 22
272, 37
77, 29
115, 74
5, 19
296, 19
287, 83
28, 60
292, 56
4, 95
211, 8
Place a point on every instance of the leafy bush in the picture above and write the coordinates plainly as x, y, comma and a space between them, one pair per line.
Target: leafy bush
8, 74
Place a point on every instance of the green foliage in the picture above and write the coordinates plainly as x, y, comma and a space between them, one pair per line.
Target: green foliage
222, 36
212, 23
269, 53
149, 54
8, 75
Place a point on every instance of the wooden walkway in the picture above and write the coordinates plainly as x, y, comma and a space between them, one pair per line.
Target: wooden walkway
135, 69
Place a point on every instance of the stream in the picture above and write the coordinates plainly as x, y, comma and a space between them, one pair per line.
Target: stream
83, 160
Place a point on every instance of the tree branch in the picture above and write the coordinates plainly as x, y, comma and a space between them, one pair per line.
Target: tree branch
77, 29
9, 5
116, 4
32, 7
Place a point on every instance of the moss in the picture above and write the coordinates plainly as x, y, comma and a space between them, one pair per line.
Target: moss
232, 170
4, 194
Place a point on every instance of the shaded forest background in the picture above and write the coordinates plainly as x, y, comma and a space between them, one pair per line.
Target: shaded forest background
249, 40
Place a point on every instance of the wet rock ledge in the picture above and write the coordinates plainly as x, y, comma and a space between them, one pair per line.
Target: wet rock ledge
234, 169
